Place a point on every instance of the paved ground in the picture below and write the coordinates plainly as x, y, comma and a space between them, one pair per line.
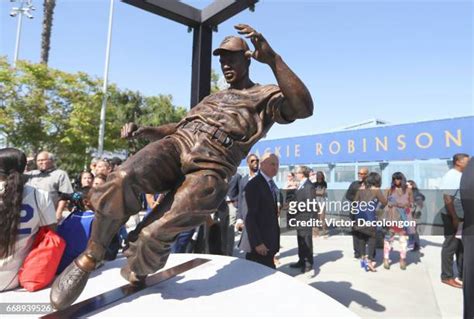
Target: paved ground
414, 293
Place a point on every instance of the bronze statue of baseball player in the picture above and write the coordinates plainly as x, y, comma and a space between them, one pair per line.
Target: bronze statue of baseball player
191, 160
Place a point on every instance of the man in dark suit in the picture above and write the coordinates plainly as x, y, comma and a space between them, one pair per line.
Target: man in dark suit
306, 191
467, 199
261, 222
350, 196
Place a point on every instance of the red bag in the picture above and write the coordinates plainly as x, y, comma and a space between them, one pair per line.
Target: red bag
40, 266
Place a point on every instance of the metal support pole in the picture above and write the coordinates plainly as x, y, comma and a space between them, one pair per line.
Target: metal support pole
104, 88
18, 34
201, 69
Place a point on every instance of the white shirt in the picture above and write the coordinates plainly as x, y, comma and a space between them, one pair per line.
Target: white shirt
302, 183
268, 179
34, 214
252, 176
450, 185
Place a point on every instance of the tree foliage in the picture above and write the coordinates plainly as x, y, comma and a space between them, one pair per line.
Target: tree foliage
46, 109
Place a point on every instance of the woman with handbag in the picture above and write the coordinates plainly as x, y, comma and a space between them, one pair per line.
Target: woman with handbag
368, 199
400, 200
23, 210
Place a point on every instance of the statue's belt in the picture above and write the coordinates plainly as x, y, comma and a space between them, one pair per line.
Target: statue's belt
215, 132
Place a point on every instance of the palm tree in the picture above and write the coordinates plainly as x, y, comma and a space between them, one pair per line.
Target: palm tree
48, 7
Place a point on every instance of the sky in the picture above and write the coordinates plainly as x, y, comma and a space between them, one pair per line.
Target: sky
399, 61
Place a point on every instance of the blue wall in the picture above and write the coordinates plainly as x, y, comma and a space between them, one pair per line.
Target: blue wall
421, 140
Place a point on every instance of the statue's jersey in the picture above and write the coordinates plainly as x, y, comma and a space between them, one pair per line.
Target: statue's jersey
245, 115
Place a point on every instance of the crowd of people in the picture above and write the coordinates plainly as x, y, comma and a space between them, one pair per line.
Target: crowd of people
391, 205
404, 201
36, 193
252, 206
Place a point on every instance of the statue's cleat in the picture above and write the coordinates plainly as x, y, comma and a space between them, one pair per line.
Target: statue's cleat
68, 286
132, 277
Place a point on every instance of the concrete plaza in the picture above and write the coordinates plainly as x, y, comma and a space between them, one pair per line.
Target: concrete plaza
416, 292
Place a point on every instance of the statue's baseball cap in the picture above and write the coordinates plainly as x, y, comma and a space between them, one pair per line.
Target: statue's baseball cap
232, 43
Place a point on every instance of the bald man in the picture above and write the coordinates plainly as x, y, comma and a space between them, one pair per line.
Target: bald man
261, 223
51, 179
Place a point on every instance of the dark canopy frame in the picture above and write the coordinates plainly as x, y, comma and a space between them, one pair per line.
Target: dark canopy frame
202, 22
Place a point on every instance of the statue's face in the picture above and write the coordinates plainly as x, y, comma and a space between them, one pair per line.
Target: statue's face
234, 66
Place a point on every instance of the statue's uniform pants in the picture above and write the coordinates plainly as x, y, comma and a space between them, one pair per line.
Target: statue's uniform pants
157, 168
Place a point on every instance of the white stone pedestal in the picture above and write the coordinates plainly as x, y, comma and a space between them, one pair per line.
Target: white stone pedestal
224, 287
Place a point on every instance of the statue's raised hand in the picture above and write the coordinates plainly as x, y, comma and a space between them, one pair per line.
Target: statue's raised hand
263, 51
